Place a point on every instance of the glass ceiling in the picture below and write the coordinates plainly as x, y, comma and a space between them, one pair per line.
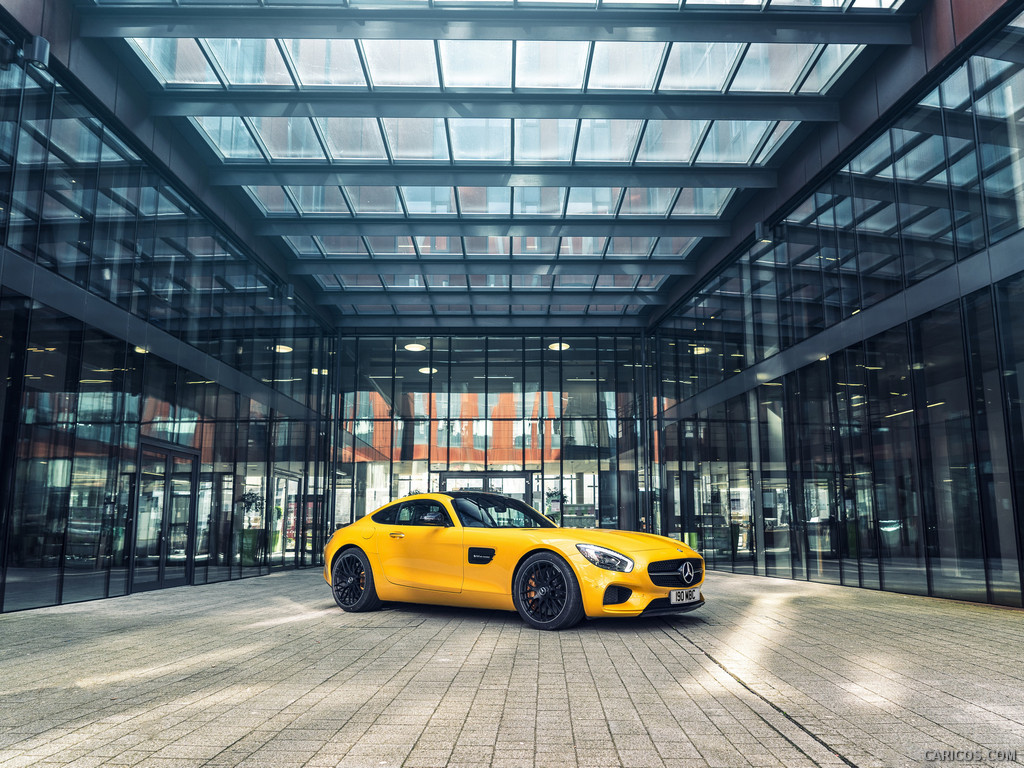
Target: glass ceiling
496, 65
611, 148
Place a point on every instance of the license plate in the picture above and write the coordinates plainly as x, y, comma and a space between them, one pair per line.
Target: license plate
679, 596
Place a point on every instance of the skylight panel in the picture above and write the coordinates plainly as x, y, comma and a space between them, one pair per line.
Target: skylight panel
625, 65
288, 138
779, 135
353, 138
476, 63
438, 245
551, 64
229, 136
326, 62
416, 138
534, 246
670, 141
810, 3
316, 199
629, 247
607, 141
674, 247
582, 246
401, 63
540, 140
176, 60
733, 141
485, 201
481, 139
834, 59
593, 201
772, 67
271, 199
699, 66
701, 201
370, 200
249, 62
429, 201
486, 246
647, 201
383, 245
342, 245
538, 201
303, 245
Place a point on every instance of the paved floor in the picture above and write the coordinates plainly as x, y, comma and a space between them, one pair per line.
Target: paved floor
268, 673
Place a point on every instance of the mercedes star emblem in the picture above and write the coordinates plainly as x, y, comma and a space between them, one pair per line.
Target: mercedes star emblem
686, 572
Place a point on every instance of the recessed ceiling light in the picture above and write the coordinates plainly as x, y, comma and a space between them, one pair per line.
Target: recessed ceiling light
428, 370
558, 346
281, 349
701, 350
416, 347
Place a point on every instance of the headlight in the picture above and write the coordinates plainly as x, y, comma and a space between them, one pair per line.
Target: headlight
605, 558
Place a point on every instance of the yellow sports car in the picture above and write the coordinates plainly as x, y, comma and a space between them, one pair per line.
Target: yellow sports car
482, 550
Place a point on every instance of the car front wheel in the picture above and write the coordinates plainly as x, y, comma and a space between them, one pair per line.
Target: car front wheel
352, 582
546, 593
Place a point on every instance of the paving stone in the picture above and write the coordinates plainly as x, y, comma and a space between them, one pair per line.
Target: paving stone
267, 672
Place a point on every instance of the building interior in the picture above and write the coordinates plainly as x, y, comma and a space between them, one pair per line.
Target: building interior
739, 272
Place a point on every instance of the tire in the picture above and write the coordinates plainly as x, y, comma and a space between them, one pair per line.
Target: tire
546, 593
352, 582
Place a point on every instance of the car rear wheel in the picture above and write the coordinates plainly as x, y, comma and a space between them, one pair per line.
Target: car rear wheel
546, 593
352, 582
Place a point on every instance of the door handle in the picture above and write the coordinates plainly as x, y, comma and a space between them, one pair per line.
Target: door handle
396, 535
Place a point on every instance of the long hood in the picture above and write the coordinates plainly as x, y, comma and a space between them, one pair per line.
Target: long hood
624, 541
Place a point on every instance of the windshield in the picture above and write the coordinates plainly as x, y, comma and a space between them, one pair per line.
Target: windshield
489, 511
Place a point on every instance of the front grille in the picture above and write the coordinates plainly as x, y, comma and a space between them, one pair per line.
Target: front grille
667, 573
616, 594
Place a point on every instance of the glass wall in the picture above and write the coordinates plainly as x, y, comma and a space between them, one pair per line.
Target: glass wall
122, 467
888, 462
553, 419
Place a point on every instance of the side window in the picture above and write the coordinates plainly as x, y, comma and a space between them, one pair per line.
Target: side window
405, 513
387, 515
419, 512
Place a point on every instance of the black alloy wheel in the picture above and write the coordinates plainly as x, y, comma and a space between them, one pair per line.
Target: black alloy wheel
546, 593
352, 582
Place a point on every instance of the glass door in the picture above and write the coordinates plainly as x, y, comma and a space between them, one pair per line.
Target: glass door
284, 524
518, 485
166, 518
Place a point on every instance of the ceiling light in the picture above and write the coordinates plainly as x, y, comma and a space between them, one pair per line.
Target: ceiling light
142, 350
282, 349
416, 347
701, 350
558, 346
428, 370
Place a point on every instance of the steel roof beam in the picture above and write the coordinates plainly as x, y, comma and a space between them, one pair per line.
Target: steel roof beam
689, 25
539, 324
485, 297
569, 106
503, 227
486, 266
292, 174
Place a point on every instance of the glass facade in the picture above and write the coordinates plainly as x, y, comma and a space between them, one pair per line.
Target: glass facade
554, 420
166, 402
840, 404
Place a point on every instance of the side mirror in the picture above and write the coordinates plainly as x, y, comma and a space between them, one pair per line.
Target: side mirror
432, 517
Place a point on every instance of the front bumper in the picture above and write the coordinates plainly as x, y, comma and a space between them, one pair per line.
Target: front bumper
646, 598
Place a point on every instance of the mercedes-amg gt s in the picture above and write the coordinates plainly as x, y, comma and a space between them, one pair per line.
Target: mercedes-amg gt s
483, 550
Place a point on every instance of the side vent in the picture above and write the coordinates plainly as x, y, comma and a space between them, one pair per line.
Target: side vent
480, 555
